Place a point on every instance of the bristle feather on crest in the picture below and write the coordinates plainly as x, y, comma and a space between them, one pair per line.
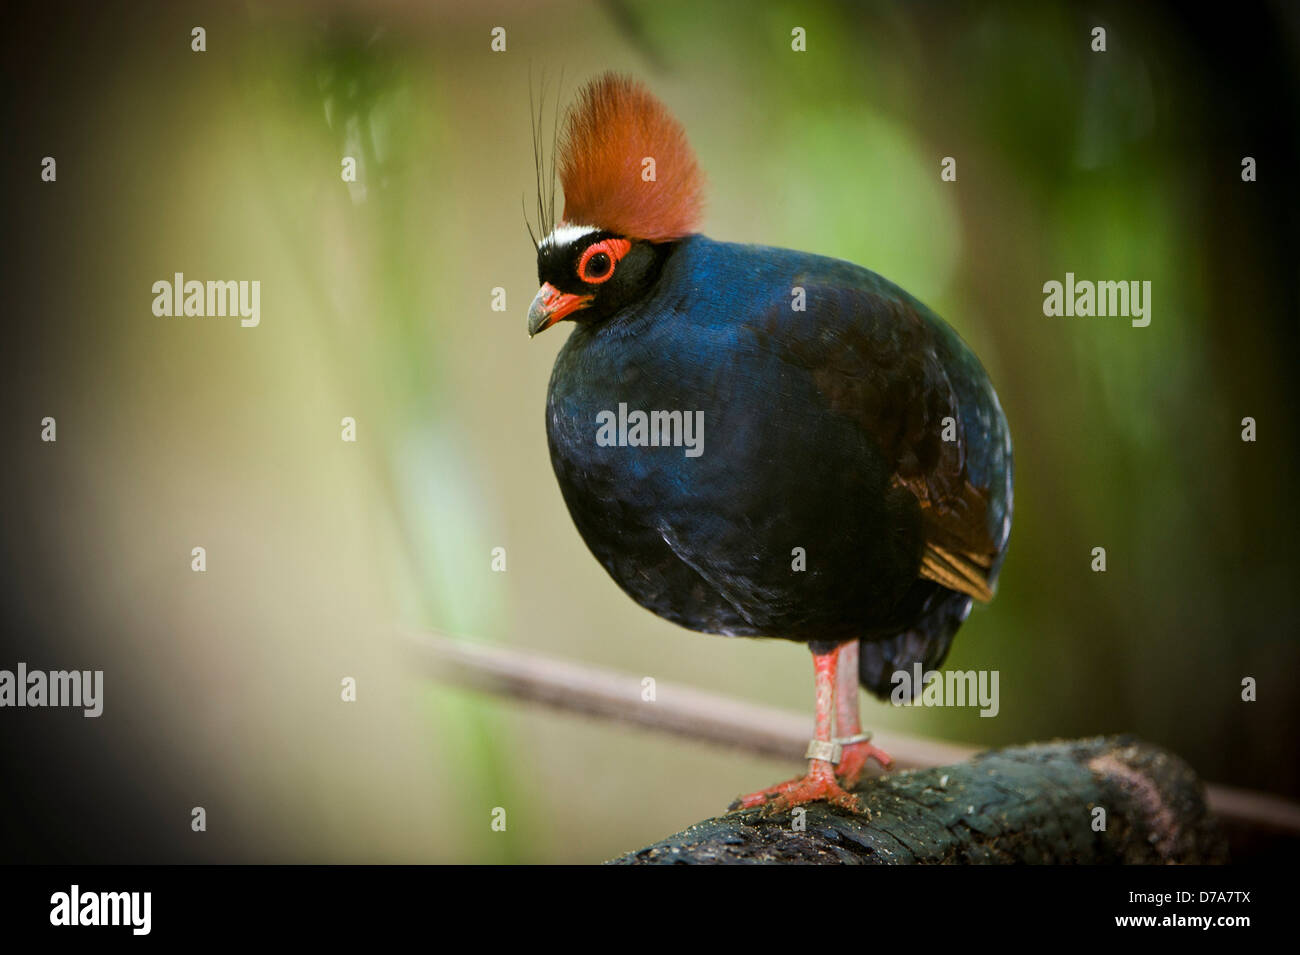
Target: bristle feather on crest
614, 125
545, 174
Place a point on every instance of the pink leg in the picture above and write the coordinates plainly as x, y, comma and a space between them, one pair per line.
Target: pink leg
848, 722
819, 783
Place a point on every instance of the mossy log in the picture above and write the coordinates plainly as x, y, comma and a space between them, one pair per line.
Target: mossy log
1026, 804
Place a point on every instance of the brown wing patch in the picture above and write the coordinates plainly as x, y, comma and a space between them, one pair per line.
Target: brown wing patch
956, 572
885, 374
957, 553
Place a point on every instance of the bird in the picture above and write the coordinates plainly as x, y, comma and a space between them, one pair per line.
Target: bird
759, 442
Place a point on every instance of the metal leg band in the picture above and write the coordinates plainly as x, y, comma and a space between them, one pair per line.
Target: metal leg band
829, 750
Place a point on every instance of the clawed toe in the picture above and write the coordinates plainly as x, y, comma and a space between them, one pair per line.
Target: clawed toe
817, 786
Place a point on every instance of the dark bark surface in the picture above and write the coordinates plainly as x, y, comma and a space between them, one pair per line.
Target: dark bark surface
1026, 804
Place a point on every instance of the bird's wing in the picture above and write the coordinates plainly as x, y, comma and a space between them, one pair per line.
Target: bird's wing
879, 358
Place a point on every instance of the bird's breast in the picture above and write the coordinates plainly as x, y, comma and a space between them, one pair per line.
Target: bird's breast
699, 469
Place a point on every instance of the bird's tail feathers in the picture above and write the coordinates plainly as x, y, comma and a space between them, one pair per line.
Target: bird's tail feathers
925, 643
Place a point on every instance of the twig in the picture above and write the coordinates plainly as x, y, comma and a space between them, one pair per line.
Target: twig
761, 730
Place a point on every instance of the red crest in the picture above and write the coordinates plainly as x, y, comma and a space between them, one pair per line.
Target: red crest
616, 137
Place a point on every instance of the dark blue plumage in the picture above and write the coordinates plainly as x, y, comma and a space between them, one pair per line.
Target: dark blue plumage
807, 415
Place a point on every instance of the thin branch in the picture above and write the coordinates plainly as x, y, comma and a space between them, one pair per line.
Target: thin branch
694, 714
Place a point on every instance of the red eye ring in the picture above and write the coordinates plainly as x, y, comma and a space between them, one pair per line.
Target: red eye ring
615, 249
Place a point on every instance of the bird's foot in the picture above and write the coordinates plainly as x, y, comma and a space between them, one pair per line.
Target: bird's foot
818, 786
763, 795
854, 761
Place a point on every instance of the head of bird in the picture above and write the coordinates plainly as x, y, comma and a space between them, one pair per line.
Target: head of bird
588, 275
632, 188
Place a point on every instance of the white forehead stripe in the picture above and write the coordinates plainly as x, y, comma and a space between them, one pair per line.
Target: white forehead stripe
568, 234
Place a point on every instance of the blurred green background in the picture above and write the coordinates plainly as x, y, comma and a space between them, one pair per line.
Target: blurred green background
223, 688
